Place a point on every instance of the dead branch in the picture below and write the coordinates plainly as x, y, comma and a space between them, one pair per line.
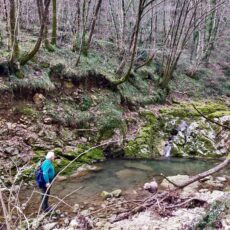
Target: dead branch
152, 202
210, 120
184, 203
6, 215
125, 202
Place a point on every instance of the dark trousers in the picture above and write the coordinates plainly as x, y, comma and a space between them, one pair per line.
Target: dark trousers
45, 199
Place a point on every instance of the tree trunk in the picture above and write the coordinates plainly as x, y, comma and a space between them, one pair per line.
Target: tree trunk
33, 52
14, 32
46, 33
6, 17
54, 24
133, 44
94, 22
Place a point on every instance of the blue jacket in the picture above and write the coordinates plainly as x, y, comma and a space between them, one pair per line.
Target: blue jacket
48, 171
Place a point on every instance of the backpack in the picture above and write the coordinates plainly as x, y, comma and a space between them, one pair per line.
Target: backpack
39, 178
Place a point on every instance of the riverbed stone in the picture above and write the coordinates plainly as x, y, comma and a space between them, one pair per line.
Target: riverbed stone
181, 219
85, 212
106, 195
211, 197
214, 184
116, 193
178, 179
76, 208
226, 221
73, 223
221, 179
49, 226
85, 169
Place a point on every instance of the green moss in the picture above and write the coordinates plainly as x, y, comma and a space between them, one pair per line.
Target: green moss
213, 215
219, 114
92, 156
149, 116
26, 110
186, 110
45, 64
68, 114
32, 83
144, 145
58, 151
110, 119
39, 155
27, 174
177, 151
61, 163
86, 103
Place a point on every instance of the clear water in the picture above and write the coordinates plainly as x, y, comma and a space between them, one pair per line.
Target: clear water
127, 175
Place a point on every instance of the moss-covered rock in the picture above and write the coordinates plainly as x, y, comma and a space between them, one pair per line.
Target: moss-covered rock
61, 163
186, 110
145, 143
149, 116
218, 114
26, 110
110, 119
199, 139
177, 151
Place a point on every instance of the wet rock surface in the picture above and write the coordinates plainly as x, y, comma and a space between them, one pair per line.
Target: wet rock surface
182, 132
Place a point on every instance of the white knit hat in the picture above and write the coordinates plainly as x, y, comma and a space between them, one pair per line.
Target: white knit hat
50, 155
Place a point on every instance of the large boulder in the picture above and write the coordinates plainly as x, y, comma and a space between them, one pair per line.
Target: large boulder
179, 179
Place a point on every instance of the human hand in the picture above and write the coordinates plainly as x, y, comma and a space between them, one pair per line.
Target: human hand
47, 185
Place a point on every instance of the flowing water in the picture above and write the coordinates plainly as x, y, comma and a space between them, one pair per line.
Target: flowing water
127, 175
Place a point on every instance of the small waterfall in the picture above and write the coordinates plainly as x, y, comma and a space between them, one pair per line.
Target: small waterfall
167, 149
182, 127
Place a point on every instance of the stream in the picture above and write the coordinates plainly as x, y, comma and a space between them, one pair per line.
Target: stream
127, 175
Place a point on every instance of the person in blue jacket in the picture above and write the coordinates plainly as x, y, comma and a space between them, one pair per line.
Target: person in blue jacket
48, 174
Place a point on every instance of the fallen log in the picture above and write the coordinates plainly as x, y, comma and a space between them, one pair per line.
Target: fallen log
185, 202
202, 175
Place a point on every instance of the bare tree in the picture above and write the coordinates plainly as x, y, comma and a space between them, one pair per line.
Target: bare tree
54, 23
14, 13
143, 4
182, 26
44, 16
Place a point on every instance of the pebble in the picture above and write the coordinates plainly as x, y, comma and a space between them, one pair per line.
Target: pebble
58, 212
85, 212
66, 221
99, 224
73, 223
91, 208
221, 179
76, 208
49, 226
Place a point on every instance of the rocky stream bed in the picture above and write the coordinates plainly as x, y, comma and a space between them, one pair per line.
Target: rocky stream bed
151, 133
